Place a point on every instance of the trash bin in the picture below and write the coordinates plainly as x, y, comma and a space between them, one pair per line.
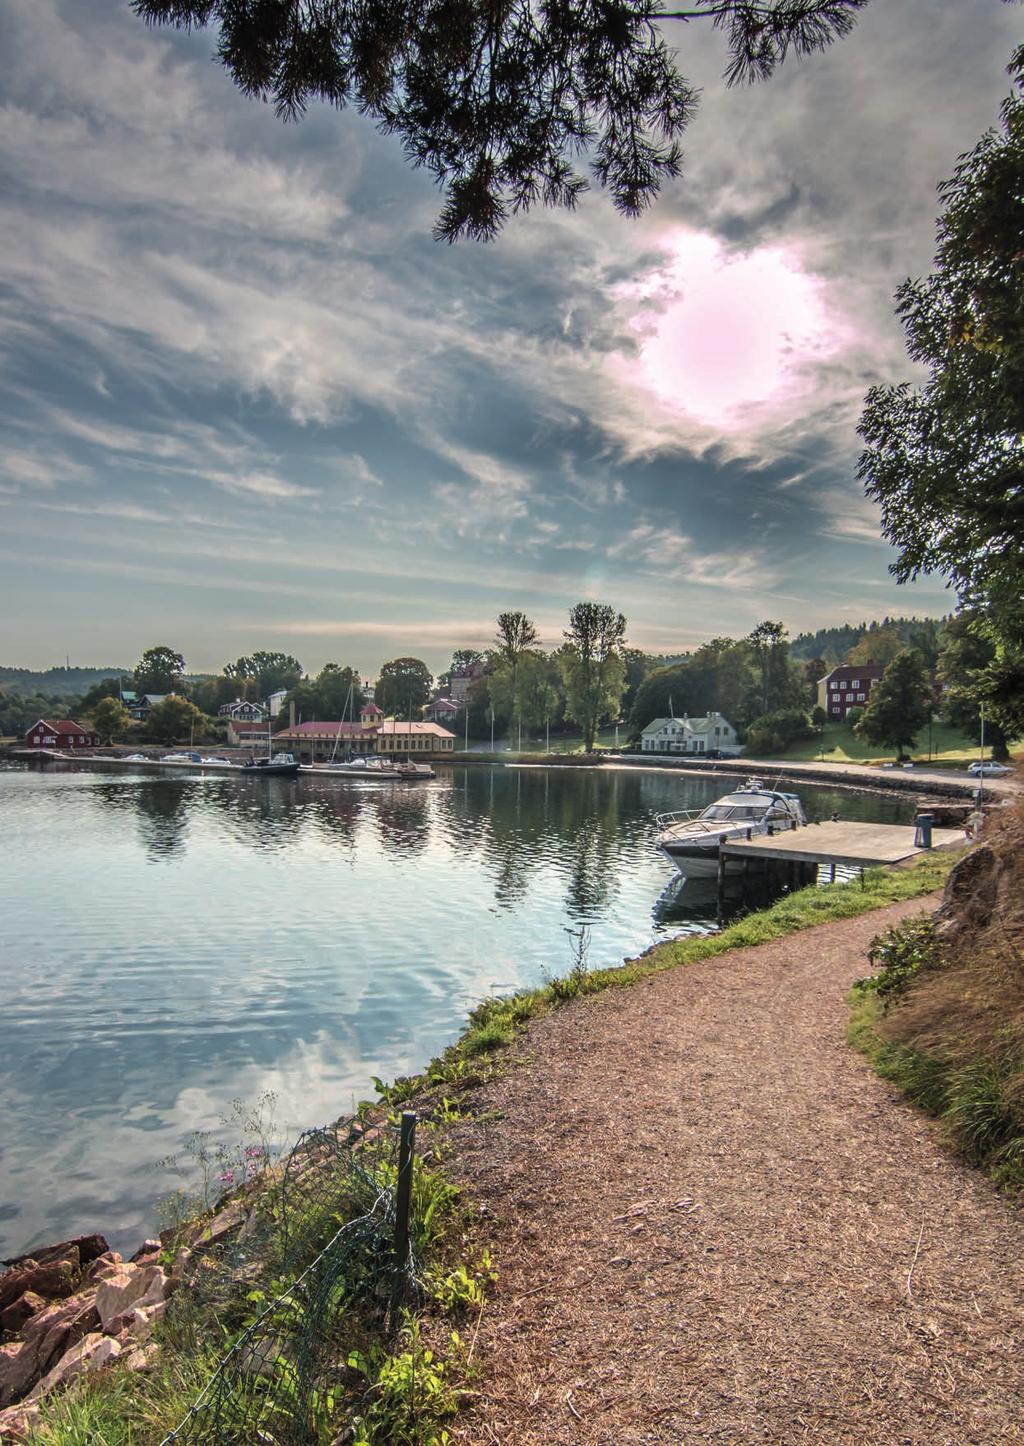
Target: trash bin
923, 830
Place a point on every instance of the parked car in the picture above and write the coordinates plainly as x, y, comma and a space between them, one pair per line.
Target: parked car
988, 769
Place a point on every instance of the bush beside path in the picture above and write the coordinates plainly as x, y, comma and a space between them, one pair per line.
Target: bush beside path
716, 1224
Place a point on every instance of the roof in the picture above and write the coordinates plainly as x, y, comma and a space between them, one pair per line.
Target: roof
393, 727
64, 727
373, 710
324, 730
153, 698
863, 670
692, 725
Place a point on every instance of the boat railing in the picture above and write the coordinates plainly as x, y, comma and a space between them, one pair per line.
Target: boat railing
691, 816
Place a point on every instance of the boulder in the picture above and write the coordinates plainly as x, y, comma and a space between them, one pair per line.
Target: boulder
101, 1267
138, 1358
145, 1317
48, 1334
54, 1279
88, 1247
127, 1285
91, 1352
146, 1249
17, 1371
18, 1312
17, 1423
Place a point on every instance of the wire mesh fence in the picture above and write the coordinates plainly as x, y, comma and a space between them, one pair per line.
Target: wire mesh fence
322, 1263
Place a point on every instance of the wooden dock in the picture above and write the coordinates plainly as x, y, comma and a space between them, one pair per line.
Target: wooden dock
850, 845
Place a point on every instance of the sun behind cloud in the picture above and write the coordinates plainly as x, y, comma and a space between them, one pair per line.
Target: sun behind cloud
730, 339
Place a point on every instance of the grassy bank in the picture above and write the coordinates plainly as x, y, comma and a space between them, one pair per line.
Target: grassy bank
942, 1016
837, 743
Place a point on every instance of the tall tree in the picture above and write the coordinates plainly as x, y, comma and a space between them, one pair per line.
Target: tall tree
515, 635
965, 660
593, 667
261, 673
160, 670
878, 646
498, 101
771, 654
946, 459
899, 705
403, 687
175, 720
338, 689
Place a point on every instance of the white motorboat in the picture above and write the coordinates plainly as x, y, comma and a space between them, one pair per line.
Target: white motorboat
370, 767
691, 838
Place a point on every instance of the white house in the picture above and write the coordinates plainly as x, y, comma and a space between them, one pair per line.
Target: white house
711, 734
276, 701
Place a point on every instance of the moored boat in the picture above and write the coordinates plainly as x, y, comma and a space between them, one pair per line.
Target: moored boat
691, 838
282, 765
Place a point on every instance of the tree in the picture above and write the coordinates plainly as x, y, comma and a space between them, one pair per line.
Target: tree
175, 720
965, 660
899, 705
592, 666
497, 101
878, 646
516, 634
107, 688
159, 670
946, 460
333, 685
779, 686
259, 674
403, 687
110, 717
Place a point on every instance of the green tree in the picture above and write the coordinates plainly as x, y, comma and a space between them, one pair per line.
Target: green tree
898, 707
498, 101
175, 720
159, 670
516, 634
259, 674
403, 687
945, 460
110, 717
592, 666
878, 646
781, 685
966, 658
333, 683
107, 688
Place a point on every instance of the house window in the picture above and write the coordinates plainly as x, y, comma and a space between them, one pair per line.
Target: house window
855, 683
849, 697
837, 710
860, 697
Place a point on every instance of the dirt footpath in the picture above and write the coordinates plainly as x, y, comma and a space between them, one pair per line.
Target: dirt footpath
716, 1224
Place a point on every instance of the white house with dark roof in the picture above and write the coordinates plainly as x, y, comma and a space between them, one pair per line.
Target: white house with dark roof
711, 734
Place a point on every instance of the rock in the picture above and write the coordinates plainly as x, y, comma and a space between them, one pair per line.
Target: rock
101, 1267
126, 1285
18, 1422
226, 1220
88, 1247
53, 1279
970, 893
18, 1312
17, 1371
146, 1249
156, 1290
182, 1258
145, 1317
91, 1352
54, 1330
138, 1358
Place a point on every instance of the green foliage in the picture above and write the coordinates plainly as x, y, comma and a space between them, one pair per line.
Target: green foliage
403, 687
175, 720
411, 1393
259, 674
159, 670
945, 460
592, 666
458, 1289
111, 718
899, 705
967, 662
499, 102
896, 957
774, 732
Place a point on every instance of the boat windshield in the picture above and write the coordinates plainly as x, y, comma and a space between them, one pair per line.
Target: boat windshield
733, 812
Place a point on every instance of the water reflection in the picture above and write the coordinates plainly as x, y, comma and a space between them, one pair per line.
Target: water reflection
296, 935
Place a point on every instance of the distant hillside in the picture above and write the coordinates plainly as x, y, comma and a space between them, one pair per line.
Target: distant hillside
833, 644
64, 681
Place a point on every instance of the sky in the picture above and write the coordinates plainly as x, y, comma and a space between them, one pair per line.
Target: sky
247, 402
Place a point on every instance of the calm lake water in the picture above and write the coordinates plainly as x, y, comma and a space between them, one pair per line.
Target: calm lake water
170, 944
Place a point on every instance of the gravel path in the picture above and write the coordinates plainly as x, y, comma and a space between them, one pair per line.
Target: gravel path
716, 1224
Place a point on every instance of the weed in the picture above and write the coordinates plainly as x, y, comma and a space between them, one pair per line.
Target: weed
462, 1287
410, 1392
897, 956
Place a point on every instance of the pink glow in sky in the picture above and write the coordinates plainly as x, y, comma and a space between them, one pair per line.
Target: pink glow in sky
730, 334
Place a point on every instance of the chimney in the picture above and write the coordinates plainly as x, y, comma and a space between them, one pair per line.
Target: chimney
291, 715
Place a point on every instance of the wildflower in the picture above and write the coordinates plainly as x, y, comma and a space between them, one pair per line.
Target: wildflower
227, 1177
254, 1152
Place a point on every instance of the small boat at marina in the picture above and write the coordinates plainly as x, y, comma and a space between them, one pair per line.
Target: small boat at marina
691, 838
281, 765
407, 769
354, 768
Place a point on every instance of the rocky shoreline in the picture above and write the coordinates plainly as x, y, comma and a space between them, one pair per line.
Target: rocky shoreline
76, 1306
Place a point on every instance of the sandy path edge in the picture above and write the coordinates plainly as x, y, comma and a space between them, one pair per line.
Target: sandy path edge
716, 1224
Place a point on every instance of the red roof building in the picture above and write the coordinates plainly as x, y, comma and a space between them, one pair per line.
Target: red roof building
62, 733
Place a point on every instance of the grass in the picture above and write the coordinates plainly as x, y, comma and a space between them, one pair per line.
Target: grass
839, 745
977, 1100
